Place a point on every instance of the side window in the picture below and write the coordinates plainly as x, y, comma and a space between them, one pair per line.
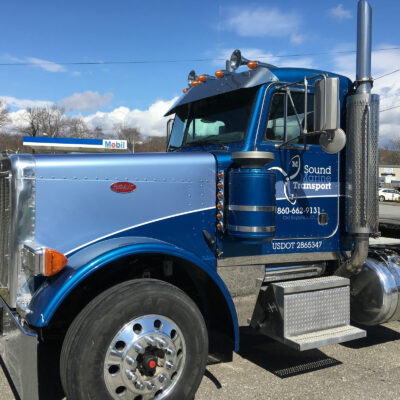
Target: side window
275, 129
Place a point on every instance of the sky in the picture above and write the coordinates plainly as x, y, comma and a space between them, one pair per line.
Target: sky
166, 39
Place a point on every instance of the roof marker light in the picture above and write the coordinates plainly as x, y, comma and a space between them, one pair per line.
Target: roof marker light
185, 90
220, 74
252, 64
195, 83
202, 78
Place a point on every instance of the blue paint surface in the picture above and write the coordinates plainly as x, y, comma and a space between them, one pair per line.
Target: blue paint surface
82, 264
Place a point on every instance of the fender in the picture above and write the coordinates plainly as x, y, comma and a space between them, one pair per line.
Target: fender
86, 261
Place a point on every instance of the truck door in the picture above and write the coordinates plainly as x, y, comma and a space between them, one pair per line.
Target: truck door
307, 187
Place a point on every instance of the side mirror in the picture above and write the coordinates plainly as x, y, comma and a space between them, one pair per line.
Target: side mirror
326, 105
327, 115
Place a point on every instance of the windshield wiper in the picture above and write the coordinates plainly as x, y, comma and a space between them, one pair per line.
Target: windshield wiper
205, 141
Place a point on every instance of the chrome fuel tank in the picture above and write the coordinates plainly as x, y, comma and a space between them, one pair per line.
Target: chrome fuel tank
375, 292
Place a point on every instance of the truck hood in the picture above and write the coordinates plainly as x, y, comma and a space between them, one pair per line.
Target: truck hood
83, 198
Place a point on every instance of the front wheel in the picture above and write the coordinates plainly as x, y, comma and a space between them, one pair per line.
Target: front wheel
381, 198
139, 340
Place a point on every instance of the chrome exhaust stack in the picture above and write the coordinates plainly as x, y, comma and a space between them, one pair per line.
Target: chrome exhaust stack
362, 150
364, 47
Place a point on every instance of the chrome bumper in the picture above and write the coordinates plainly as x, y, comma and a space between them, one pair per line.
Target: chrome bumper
19, 351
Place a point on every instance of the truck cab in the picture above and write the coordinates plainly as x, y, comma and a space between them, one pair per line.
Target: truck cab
266, 110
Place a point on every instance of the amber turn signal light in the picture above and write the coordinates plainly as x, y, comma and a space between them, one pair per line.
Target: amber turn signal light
220, 74
252, 64
54, 262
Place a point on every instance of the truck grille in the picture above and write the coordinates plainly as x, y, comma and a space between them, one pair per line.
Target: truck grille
5, 221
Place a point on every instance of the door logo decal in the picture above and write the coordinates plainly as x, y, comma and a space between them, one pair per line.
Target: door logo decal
295, 167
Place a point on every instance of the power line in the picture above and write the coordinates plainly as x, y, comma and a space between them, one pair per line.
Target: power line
390, 108
49, 63
389, 73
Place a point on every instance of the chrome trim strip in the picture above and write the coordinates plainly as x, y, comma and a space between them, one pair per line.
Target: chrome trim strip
278, 258
23, 215
233, 207
251, 229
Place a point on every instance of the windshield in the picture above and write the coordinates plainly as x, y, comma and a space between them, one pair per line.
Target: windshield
219, 119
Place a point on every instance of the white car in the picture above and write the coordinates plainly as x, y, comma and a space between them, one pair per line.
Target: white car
388, 195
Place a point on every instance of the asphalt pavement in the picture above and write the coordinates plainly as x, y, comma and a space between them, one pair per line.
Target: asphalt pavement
389, 211
368, 368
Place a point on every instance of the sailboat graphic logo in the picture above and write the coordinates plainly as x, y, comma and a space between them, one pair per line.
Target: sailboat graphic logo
295, 167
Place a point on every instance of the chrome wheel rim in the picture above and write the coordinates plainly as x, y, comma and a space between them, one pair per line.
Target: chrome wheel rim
145, 359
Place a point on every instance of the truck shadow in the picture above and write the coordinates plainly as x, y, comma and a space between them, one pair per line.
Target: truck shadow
375, 335
279, 359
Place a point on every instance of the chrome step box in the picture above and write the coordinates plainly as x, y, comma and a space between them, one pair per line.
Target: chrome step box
309, 313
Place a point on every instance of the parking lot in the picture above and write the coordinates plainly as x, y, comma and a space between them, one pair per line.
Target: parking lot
264, 369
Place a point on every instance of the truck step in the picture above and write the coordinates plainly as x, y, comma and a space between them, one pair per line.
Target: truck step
310, 313
325, 337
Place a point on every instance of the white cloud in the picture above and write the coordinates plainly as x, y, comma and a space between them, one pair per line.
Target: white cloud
261, 21
150, 122
387, 87
24, 103
18, 119
340, 13
86, 101
297, 39
46, 65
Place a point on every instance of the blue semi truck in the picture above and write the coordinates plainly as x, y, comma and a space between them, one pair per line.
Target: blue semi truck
137, 267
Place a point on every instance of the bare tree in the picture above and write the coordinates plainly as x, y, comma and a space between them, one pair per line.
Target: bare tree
4, 118
76, 127
130, 134
12, 143
49, 121
98, 132
394, 144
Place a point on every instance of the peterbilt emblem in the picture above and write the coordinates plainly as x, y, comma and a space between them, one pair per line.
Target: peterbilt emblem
123, 187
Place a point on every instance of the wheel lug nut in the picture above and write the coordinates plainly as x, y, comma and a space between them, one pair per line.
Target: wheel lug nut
132, 362
169, 351
150, 386
139, 348
150, 341
170, 364
139, 385
161, 343
162, 378
130, 375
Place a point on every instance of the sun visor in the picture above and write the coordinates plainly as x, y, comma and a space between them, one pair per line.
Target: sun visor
230, 82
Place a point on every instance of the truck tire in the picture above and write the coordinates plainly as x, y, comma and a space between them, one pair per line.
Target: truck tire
139, 340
